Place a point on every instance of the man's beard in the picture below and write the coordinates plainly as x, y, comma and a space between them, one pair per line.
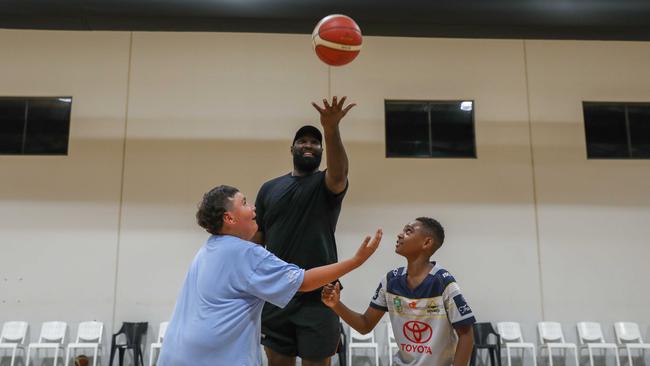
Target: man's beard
306, 164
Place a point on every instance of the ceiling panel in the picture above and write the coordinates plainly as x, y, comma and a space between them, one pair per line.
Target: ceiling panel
530, 19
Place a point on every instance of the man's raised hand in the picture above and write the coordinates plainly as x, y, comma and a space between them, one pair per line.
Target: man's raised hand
331, 114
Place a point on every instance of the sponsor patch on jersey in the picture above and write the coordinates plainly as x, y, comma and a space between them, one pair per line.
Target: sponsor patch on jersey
433, 307
398, 304
417, 331
461, 305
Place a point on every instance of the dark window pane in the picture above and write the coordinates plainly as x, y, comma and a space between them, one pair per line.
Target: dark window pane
605, 130
452, 129
639, 117
407, 129
12, 124
48, 126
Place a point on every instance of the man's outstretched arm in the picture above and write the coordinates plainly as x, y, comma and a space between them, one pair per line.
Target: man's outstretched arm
336, 176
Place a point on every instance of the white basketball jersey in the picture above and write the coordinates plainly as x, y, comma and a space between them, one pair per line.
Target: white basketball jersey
424, 318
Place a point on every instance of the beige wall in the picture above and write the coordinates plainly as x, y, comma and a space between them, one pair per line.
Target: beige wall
60, 215
113, 221
593, 214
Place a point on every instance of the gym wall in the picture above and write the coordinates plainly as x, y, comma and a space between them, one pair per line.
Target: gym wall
534, 229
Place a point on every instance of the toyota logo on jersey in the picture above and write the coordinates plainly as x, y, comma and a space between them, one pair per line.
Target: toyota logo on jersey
417, 332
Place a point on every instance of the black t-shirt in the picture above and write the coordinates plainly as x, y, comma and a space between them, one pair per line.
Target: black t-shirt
298, 217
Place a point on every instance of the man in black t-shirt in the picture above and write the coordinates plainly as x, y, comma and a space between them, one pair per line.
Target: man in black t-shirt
297, 215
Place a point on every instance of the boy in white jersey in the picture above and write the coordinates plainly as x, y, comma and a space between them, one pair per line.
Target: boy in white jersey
431, 320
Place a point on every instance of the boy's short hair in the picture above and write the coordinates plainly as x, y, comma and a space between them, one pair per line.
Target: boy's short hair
432, 227
214, 205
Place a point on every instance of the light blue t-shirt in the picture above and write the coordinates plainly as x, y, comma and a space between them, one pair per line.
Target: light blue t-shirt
217, 318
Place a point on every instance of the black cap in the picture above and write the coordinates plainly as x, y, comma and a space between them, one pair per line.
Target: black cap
308, 130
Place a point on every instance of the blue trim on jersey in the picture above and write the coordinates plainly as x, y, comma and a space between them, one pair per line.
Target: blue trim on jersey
433, 285
469, 321
394, 273
375, 306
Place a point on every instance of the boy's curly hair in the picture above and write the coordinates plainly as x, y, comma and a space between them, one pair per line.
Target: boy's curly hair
214, 204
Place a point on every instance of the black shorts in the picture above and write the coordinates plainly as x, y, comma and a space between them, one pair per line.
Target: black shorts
304, 328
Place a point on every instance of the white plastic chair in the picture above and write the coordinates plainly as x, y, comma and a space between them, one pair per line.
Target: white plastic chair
392, 344
89, 336
511, 337
551, 337
13, 338
52, 337
162, 328
591, 337
361, 341
628, 337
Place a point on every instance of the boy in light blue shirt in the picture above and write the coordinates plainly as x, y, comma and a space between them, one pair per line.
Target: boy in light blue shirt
217, 318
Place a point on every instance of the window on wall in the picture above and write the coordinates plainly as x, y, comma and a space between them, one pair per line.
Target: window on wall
430, 129
617, 130
34, 125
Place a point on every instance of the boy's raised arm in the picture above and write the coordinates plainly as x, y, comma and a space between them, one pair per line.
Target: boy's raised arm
362, 323
317, 277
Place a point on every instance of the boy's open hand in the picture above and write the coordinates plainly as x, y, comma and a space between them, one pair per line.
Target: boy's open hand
368, 247
331, 294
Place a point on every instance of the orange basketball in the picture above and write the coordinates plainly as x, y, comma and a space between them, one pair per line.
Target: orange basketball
337, 40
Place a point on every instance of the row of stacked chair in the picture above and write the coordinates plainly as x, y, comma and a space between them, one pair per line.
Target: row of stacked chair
509, 336
551, 337
53, 334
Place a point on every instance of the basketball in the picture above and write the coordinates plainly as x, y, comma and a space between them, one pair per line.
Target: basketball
337, 40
